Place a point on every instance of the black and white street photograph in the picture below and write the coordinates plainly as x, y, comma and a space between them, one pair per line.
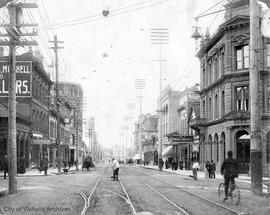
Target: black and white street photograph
134, 107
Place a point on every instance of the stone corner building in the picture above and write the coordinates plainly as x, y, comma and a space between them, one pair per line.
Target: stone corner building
224, 122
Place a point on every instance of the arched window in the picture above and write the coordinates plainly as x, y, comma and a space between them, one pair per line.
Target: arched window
223, 145
217, 147
210, 146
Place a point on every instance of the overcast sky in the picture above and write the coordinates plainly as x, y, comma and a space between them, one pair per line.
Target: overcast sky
108, 82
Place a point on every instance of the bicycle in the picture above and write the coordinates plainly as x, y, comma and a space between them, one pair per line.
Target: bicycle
233, 193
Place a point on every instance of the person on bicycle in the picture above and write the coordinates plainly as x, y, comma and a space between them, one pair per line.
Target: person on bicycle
229, 169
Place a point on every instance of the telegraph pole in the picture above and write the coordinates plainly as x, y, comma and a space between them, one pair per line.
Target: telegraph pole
58, 141
12, 146
139, 85
14, 32
255, 117
160, 36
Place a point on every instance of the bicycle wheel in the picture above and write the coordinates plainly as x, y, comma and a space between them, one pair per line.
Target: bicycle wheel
221, 191
235, 196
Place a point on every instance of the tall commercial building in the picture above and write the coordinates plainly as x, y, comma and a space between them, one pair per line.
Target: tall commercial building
224, 122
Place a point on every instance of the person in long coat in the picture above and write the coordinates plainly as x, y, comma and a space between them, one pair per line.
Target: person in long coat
5, 166
208, 168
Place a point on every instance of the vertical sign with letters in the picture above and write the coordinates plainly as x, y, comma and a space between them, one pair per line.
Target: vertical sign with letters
23, 78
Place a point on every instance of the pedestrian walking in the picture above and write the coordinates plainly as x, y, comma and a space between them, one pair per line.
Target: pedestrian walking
166, 164
5, 166
229, 169
207, 166
161, 163
195, 168
213, 169
44, 164
115, 166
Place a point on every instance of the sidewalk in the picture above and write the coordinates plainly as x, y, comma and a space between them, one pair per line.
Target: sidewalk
33, 173
201, 175
36, 172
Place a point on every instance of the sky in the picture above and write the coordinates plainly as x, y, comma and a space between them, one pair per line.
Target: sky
125, 36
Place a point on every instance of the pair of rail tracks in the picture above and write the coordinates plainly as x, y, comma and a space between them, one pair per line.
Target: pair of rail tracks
87, 199
181, 209
217, 204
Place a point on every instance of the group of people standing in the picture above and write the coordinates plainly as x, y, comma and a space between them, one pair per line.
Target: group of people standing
211, 169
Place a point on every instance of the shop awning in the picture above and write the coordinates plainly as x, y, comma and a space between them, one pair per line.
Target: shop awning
168, 152
137, 157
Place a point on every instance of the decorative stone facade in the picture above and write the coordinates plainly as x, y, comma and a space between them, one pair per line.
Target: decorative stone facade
224, 121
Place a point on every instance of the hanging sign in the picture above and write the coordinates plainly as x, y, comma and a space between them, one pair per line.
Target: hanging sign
23, 78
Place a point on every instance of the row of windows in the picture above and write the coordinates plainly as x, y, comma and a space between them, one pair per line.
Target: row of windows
40, 92
40, 122
216, 105
215, 66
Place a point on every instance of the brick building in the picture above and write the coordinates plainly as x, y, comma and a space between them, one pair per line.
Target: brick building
33, 91
224, 122
73, 93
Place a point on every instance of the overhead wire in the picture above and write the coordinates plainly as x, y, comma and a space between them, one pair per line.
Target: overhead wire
99, 16
40, 36
61, 56
183, 77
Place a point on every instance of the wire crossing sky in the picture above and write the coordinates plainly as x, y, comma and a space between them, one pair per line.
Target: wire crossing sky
106, 54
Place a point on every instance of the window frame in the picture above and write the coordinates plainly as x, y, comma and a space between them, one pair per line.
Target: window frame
268, 55
242, 104
244, 51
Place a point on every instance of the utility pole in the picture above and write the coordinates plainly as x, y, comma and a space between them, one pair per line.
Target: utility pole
255, 111
160, 36
77, 137
139, 85
131, 107
14, 32
58, 141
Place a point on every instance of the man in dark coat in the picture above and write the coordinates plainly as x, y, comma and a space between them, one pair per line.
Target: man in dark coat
213, 169
5, 166
45, 164
229, 169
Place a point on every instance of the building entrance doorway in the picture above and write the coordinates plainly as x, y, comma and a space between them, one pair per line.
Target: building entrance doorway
243, 151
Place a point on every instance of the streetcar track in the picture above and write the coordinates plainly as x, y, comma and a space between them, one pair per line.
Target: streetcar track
87, 200
194, 194
180, 208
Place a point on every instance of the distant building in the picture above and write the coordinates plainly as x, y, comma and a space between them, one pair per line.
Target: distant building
186, 140
149, 136
73, 93
169, 120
